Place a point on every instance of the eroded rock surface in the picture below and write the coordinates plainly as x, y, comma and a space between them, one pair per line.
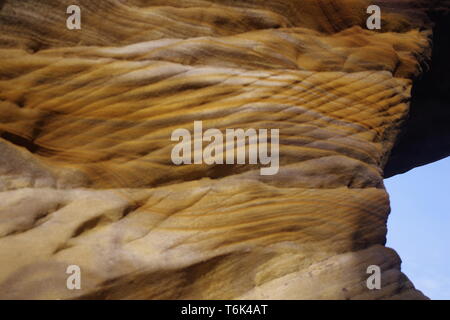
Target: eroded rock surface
86, 176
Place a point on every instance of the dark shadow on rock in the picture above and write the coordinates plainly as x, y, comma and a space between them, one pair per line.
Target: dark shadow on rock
426, 134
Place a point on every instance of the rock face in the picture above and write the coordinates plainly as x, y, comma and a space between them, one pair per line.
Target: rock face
86, 118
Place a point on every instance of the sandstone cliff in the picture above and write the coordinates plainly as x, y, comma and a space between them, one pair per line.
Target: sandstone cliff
86, 176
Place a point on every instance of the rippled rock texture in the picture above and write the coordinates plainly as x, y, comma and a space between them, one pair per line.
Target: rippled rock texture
86, 175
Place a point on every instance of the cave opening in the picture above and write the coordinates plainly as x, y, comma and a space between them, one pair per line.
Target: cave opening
418, 226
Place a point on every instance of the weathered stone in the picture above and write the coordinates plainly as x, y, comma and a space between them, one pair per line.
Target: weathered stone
86, 176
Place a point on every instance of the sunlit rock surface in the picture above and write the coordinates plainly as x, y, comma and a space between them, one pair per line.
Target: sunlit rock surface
86, 175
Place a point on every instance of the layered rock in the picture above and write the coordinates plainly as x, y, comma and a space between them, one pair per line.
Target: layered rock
86, 175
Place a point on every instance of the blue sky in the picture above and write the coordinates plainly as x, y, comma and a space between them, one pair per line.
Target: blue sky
419, 226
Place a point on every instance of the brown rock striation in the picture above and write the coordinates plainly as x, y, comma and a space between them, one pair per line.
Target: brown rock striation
86, 175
